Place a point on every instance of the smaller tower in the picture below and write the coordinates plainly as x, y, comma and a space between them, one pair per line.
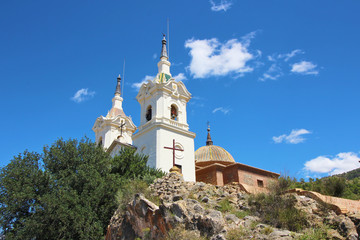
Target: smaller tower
116, 129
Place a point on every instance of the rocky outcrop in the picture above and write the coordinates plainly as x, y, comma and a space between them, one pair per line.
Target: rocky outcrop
340, 205
212, 212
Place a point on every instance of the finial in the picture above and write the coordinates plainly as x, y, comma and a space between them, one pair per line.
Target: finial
208, 140
118, 89
163, 48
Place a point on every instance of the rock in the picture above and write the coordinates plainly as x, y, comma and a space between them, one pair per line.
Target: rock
179, 207
205, 199
334, 235
211, 223
280, 234
218, 237
232, 218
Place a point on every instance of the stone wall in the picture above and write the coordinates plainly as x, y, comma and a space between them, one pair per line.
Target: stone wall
340, 205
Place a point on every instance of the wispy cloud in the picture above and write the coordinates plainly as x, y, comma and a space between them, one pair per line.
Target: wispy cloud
222, 5
279, 65
137, 85
273, 73
82, 95
180, 77
221, 109
288, 56
341, 163
304, 67
294, 137
209, 57
154, 56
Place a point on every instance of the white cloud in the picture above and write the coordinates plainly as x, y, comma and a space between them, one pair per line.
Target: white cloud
304, 67
154, 56
343, 162
209, 57
82, 95
137, 85
294, 137
223, 5
288, 56
221, 109
273, 73
180, 77
246, 40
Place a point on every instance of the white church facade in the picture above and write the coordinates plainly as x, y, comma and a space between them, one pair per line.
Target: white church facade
163, 133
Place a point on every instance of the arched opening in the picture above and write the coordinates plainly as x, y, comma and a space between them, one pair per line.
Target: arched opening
100, 143
174, 113
148, 114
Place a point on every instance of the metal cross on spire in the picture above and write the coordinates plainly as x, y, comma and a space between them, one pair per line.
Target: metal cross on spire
174, 149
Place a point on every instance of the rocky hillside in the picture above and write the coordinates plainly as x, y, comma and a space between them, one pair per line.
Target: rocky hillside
174, 209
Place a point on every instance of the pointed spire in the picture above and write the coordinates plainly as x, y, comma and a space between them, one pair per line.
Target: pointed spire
163, 49
208, 140
118, 89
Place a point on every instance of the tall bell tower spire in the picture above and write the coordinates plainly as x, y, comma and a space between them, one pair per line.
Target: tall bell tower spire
118, 88
164, 54
164, 64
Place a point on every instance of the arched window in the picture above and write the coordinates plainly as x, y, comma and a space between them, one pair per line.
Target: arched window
174, 113
100, 141
148, 114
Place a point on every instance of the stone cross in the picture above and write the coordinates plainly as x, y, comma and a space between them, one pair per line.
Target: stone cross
174, 149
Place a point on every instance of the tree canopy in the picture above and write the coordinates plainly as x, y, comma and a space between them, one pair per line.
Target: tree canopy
66, 192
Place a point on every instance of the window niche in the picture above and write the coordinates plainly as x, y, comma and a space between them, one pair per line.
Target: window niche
174, 113
148, 114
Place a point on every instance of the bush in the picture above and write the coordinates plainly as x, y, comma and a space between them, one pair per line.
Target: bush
240, 233
277, 209
180, 233
225, 206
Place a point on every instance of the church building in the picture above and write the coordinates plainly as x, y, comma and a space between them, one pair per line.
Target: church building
163, 134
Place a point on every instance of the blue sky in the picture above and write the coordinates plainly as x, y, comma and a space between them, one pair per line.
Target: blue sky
278, 80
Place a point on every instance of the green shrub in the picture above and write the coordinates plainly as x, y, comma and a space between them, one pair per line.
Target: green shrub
225, 206
240, 214
319, 233
278, 211
240, 233
128, 188
180, 233
267, 230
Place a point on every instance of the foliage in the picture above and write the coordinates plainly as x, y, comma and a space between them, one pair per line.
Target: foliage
180, 233
67, 192
278, 209
318, 233
225, 206
240, 214
351, 174
239, 233
336, 186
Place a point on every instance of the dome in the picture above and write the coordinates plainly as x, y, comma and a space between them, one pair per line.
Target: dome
212, 153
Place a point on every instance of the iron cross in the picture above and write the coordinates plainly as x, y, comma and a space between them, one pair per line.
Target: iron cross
121, 127
174, 149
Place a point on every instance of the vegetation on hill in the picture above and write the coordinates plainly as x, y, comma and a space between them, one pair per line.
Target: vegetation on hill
70, 191
337, 186
351, 174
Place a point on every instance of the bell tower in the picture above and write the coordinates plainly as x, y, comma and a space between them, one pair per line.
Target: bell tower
163, 121
115, 130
